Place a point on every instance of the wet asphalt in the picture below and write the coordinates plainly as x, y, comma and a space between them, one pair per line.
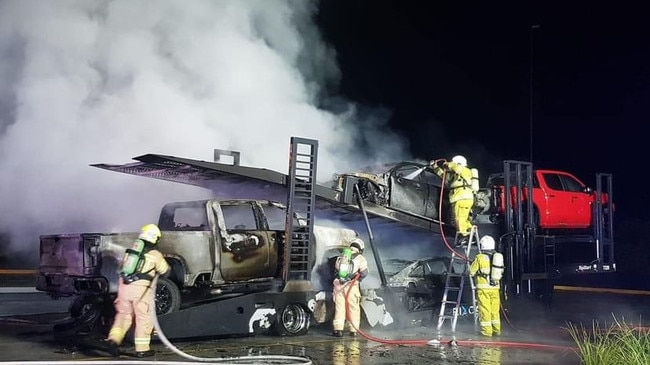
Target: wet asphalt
533, 332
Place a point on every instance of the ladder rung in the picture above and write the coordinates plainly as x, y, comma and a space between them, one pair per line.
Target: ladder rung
455, 289
449, 301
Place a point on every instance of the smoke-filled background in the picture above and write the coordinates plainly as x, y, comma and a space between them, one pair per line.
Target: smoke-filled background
85, 82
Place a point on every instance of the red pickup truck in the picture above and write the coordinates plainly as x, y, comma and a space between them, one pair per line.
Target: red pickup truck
561, 200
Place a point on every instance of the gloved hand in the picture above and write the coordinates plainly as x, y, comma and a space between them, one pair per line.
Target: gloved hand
434, 163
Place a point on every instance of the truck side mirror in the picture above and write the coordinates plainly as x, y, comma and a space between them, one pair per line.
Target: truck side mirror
588, 190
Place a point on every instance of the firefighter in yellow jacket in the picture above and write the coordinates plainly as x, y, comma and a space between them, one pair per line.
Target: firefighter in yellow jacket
351, 265
487, 271
135, 295
461, 195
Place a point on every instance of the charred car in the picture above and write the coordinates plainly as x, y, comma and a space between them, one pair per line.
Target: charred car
410, 187
421, 282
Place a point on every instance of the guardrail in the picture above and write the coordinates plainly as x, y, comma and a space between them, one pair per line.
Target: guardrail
18, 278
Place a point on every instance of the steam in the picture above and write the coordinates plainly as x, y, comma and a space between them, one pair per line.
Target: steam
85, 82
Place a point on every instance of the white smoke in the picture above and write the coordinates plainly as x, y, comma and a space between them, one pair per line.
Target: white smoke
85, 82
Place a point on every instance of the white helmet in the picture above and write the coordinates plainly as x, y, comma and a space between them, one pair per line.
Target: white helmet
358, 244
487, 243
459, 160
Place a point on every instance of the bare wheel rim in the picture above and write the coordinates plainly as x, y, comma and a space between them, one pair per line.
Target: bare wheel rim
294, 318
163, 299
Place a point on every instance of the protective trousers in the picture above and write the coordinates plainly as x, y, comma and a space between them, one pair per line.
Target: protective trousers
462, 209
354, 298
133, 299
489, 304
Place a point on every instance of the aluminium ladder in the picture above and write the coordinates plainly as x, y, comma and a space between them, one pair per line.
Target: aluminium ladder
455, 283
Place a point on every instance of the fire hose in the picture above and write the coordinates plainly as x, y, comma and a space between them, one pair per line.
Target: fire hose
235, 360
455, 342
435, 342
266, 359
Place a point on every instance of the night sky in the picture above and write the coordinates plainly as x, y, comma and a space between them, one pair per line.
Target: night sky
455, 78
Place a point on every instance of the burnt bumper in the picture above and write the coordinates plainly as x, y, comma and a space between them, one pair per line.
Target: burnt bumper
60, 285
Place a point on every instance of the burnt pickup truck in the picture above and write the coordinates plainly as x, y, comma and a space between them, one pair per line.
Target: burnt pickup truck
215, 248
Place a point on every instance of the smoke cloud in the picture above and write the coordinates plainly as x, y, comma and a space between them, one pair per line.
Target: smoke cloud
85, 82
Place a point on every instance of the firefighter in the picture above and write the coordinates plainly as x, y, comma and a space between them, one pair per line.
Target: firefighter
461, 195
351, 267
135, 295
487, 270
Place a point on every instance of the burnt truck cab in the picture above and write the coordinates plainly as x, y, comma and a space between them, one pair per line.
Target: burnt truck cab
214, 247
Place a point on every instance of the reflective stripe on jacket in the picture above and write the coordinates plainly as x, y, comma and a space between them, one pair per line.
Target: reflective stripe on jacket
482, 263
459, 179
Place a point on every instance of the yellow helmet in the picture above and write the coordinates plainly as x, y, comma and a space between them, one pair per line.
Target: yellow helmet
150, 233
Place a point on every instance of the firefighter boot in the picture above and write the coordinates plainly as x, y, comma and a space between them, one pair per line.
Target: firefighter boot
111, 347
142, 354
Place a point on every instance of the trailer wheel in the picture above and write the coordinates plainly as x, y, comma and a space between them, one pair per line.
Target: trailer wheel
168, 296
292, 320
88, 314
80, 306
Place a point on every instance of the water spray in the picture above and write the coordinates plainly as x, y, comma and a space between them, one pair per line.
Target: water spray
415, 173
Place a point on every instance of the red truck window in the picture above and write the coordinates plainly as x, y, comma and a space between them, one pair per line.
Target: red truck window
571, 184
553, 181
561, 182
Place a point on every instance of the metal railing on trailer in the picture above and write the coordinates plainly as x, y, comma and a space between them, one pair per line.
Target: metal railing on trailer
300, 210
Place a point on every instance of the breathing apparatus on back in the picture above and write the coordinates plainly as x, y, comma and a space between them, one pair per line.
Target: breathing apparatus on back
345, 265
131, 269
493, 268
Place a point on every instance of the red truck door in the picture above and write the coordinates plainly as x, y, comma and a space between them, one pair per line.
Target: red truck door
556, 201
567, 200
580, 213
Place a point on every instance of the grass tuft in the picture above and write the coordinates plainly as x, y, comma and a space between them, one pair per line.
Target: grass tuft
618, 343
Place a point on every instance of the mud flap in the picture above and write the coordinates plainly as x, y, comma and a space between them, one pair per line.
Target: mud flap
375, 309
320, 311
